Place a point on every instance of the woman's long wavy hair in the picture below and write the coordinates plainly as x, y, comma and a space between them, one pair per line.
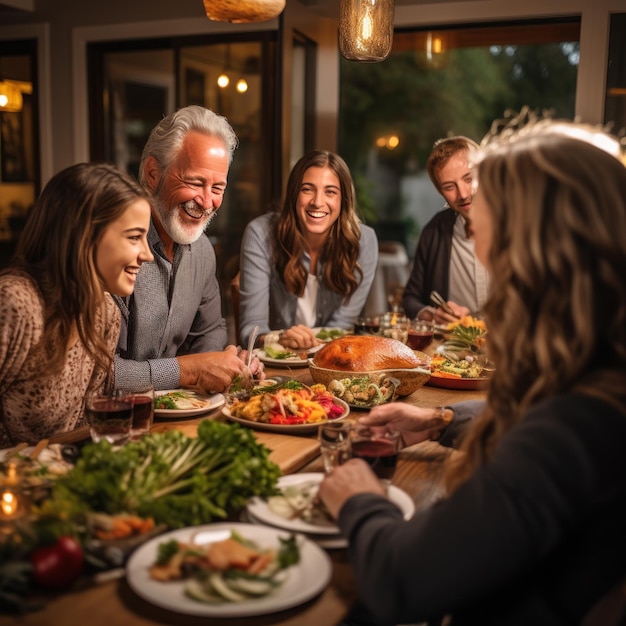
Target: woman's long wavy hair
58, 249
557, 307
342, 272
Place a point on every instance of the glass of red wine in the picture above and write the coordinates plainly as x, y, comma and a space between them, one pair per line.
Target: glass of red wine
142, 398
421, 334
110, 417
379, 448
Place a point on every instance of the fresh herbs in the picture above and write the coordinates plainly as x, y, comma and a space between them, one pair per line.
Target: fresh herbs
177, 480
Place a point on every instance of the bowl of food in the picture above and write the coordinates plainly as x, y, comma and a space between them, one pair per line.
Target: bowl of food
357, 356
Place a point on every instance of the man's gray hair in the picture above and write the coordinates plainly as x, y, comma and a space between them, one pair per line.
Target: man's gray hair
167, 136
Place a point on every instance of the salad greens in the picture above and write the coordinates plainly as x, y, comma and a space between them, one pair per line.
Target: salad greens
272, 353
173, 478
328, 334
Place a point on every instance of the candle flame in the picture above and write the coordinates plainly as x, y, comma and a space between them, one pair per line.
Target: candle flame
8, 503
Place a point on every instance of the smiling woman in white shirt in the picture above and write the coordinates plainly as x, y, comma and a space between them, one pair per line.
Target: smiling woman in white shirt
311, 264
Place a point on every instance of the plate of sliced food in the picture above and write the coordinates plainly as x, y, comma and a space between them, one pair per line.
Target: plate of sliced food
461, 361
296, 508
228, 570
287, 407
276, 355
173, 403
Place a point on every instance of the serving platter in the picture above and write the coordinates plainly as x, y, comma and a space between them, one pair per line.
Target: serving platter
210, 402
304, 581
287, 429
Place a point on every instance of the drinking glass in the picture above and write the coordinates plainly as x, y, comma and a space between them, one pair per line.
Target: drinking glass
420, 334
378, 448
142, 398
367, 325
395, 325
110, 417
335, 444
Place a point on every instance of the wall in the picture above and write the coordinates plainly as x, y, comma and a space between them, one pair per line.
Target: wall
64, 27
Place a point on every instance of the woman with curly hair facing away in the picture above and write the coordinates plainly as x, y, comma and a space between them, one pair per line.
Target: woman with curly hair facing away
313, 263
532, 530
85, 239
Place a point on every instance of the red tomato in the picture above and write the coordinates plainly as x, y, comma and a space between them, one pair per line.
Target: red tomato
57, 566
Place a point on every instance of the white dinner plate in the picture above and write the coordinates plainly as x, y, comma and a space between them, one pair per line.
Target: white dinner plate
286, 429
209, 403
304, 581
292, 361
258, 508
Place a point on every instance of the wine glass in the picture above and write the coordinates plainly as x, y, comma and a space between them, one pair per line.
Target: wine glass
335, 444
378, 448
110, 416
142, 398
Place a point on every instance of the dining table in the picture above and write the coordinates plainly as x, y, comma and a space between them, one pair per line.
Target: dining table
112, 602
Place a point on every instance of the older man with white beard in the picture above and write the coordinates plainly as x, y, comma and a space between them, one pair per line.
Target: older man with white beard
173, 333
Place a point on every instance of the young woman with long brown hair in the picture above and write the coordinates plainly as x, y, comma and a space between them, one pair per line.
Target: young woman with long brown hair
313, 263
85, 239
532, 531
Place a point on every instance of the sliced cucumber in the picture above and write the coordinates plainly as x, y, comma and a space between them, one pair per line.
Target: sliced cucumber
251, 586
197, 590
221, 587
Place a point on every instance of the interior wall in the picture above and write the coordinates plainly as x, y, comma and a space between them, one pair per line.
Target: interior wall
64, 27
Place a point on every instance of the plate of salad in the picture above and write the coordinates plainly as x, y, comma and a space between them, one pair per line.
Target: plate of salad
287, 407
271, 570
277, 356
174, 403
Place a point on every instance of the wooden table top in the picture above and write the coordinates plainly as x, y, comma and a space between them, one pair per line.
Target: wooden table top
417, 473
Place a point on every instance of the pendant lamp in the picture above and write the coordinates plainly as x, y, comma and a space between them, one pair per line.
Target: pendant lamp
366, 29
238, 11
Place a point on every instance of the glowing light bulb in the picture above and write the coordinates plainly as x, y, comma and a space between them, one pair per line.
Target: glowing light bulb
366, 27
3, 100
242, 85
223, 80
393, 142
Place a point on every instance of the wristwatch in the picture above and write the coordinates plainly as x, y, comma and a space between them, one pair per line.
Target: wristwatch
444, 415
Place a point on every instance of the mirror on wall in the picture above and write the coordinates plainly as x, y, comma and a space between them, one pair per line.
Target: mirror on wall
19, 158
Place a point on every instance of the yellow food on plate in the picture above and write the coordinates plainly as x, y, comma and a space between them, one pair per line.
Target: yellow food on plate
288, 406
469, 321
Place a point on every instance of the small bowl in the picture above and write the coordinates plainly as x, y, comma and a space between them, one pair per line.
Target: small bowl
410, 379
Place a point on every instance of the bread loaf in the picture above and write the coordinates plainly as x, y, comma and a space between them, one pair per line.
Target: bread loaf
364, 353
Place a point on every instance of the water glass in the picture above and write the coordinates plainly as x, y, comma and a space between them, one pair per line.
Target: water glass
142, 398
335, 444
110, 417
378, 448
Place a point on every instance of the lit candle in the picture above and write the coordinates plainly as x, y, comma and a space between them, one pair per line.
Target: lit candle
9, 505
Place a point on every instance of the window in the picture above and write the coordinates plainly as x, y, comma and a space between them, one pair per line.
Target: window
437, 83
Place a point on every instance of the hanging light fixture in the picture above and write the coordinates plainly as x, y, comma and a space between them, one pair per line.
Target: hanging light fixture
239, 11
10, 96
366, 29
